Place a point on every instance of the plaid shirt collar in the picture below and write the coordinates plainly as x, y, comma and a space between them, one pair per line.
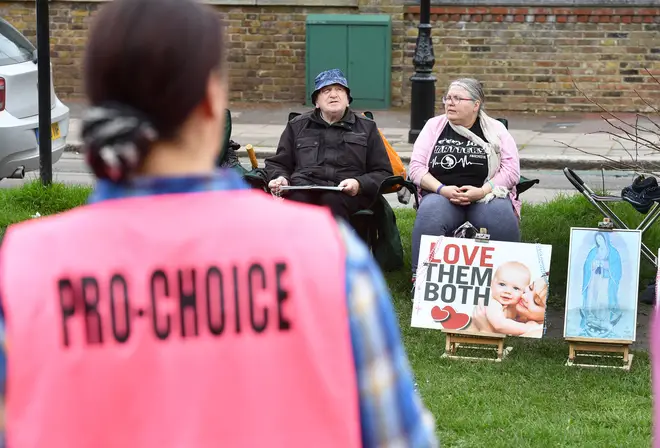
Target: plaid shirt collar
223, 179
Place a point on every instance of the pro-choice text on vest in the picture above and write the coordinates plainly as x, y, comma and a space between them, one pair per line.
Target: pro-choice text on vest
179, 303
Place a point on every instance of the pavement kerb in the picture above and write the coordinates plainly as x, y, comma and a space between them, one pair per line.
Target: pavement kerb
527, 162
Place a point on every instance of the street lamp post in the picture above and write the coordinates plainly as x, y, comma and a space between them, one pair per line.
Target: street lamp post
422, 98
43, 88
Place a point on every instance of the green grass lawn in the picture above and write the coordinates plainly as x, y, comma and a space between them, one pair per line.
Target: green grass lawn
529, 400
19, 204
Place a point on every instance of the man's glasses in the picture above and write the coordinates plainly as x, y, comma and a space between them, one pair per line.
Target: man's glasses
454, 99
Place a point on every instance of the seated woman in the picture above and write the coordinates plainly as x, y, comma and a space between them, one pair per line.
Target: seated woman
466, 167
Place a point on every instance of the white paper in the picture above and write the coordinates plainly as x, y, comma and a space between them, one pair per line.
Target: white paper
312, 187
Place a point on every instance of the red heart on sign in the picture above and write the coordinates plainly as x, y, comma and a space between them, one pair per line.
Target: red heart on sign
456, 321
439, 315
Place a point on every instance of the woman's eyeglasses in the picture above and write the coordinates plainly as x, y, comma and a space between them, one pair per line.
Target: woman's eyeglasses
454, 99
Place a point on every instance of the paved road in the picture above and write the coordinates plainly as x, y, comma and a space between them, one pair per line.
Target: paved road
70, 169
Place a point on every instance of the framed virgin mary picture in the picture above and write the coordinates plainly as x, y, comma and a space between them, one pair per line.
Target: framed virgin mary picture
602, 284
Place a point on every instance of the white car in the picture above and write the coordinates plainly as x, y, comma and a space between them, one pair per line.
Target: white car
19, 107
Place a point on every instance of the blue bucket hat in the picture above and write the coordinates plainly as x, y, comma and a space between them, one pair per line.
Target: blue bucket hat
329, 77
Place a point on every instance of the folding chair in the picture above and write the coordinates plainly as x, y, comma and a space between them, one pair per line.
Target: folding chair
389, 182
386, 248
600, 202
256, 177
228, 147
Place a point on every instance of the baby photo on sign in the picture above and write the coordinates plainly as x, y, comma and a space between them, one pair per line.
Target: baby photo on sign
482, 288
602, 284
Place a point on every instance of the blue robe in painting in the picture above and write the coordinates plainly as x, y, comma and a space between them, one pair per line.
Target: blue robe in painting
613, 274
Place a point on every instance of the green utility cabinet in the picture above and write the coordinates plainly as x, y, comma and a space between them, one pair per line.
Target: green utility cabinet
358, 44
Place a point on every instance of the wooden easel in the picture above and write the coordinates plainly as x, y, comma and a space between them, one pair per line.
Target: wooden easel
482, 341
615, 348
605, 348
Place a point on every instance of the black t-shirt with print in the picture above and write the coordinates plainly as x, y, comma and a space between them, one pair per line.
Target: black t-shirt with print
457, 161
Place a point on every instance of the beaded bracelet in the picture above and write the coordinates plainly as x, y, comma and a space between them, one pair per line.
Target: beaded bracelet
439, 188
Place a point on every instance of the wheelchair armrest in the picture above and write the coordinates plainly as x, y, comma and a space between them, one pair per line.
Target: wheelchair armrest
524, 185
574, 179
256, 179
392, 181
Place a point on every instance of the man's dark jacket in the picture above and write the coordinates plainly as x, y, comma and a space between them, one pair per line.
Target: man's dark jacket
313, 152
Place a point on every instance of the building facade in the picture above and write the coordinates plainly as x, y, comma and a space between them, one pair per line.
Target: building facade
534, 55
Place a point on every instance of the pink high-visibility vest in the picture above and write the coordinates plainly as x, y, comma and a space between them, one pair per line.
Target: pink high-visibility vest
214, 319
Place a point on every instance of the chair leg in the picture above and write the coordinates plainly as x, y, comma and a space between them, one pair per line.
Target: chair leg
370, 237
363, 229
367, 235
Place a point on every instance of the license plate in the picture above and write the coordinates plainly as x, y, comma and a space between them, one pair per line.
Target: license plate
55, 132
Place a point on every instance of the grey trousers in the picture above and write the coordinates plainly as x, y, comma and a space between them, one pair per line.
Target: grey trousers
438, 217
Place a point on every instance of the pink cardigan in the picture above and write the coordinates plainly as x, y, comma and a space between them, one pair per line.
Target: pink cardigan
507, 176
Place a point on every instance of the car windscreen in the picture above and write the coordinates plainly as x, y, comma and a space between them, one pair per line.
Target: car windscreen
14, 47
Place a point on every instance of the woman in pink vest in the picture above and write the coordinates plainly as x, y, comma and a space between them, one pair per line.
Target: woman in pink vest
180, 308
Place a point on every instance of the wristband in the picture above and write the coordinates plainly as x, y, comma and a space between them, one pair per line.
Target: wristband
439, 188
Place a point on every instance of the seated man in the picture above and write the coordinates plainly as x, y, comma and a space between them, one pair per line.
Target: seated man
330, 146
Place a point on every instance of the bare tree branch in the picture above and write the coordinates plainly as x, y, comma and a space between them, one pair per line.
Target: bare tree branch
635, 138
615, 137
648, 104
636, 135
600, 106
651, 75
618, 165
630, 137
643, 133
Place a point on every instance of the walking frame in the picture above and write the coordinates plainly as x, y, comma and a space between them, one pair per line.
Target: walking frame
600, 202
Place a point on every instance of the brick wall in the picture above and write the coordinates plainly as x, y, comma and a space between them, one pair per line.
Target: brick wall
267, 49
266, 44
267, 53
68, 33
523, 55
528, 58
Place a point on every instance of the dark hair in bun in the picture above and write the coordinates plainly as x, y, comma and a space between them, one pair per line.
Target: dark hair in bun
146, 68
117, 139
